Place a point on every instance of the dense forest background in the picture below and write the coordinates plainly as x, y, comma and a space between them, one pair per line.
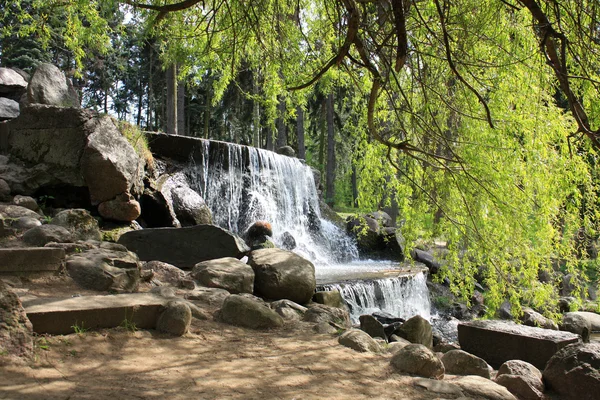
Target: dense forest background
475, 121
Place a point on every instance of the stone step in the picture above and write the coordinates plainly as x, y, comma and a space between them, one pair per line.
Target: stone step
500, 341
60, 315
31, 259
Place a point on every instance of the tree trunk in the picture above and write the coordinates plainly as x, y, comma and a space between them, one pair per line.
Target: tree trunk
172, 99
330, 171
181, 108
207, 106
269, 141
255, 114
354, 181
281, 132
300, 133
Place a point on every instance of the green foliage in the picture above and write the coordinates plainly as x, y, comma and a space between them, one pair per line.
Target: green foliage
78, 328
129, 325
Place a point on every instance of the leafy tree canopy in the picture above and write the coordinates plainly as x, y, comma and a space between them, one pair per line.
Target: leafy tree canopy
480, 116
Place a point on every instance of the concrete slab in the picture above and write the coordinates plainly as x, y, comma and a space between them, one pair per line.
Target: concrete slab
500, 341
31, 259
59, 315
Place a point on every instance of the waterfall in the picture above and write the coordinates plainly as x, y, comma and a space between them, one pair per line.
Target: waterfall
245, 184
403, 296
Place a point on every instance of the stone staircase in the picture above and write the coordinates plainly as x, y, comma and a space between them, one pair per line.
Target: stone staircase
67, 315
28, 260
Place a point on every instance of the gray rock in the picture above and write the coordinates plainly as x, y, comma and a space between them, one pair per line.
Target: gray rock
288, 309
122, 208
325, 328
481, 388
359, 340
50, 86
105, 270
25, 223
4, 190
382, 218
15, 212
109, 164
11, 83
534, 318
416, 330
332, 298
288, 242
280, 274
226, 273
396, 345
371, 326
574, 372
438, 387
520, 387
418, 360
249, 313
286, 151
576, 323
189, 206
184, 247
459, 362
79, 222
9, 109
209, 296
591, 317
27, 202
165, 273
175, 319
15, 329
332, 315
41, 235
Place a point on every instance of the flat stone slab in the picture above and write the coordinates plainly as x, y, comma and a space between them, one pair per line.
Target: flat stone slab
500, 341
59, 315
31, 259
184, 247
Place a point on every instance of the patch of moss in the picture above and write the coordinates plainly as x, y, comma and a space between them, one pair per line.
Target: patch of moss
138, 140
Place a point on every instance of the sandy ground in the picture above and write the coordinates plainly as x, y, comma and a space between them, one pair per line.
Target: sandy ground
213, 361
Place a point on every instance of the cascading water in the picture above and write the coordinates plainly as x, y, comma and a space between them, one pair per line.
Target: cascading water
242, 185
403, 296
245, 184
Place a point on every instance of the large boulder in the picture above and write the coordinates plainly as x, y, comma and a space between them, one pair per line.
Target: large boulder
417, 359
249, 313
12, 84
334, 316
164, 273
40, 235
577, 323
459, 362
359, 340
15, 329
107, 268
50, 86
122, 208
9, 109
521, 379
184, 247
574, 372
375, 237
477, 387
372, 326
533, 318
416, 330
175, 319
79, 222
73, 148
280, 274
109, 164
226, 273
184, 205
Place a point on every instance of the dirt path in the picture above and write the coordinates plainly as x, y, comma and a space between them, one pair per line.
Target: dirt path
213, 361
